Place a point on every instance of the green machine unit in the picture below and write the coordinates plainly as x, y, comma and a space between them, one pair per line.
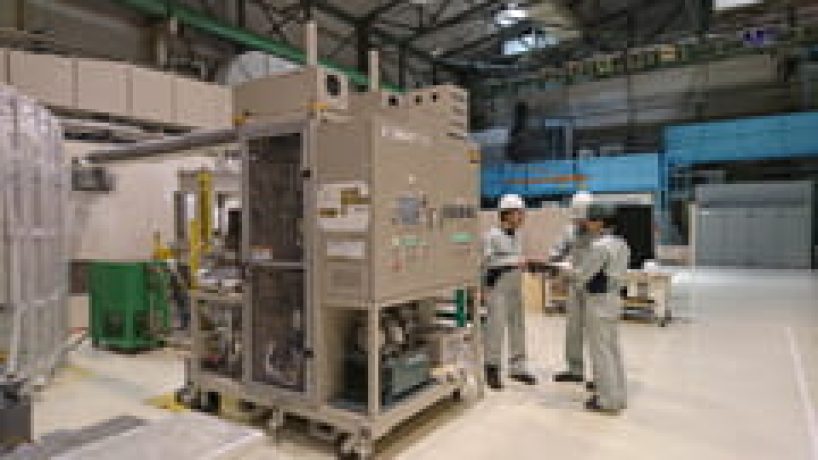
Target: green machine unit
129, 304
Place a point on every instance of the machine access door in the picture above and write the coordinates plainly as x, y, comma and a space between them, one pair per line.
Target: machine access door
275, 252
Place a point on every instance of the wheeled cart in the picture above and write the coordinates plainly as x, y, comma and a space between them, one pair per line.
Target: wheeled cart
647, 290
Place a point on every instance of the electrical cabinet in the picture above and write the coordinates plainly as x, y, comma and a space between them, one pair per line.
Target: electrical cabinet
129, 304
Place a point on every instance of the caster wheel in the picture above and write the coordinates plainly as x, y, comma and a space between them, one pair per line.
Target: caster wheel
350, 447
187, 397
343, 448
209, 402
274, 425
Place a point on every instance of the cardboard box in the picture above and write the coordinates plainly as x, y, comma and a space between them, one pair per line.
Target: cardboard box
542, 231
195, 103
47, 78
102, 86
223, 98
151, 95
202, 105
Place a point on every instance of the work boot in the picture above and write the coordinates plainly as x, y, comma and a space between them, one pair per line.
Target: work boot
590, 386
524, 377
568, 377
493, 378
593, 405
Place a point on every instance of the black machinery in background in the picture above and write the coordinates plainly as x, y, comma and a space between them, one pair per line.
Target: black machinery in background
537, 138
635, 223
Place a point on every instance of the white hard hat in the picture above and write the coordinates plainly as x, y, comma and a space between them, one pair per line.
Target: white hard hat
580, 203
511, 201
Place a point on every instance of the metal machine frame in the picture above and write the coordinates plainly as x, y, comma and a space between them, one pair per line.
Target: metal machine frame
359, 428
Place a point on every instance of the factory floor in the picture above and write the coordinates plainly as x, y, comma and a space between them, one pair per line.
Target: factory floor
736, 377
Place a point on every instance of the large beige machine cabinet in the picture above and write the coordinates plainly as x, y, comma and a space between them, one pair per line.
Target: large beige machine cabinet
414, 224
292, 94
356, 227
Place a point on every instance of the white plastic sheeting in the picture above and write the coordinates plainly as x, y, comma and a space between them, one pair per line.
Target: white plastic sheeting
34, 183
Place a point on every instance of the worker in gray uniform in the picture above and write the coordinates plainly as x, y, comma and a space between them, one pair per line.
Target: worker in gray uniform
503, 267
574, 246
601, 276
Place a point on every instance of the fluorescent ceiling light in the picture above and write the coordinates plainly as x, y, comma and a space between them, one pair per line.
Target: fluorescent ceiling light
510, 15
727, 4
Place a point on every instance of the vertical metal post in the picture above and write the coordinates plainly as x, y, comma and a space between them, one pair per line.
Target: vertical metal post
307, 7
374, 71
373, 367
631, 42
362, 47
241, 13
312, 43
21, 15
402, 68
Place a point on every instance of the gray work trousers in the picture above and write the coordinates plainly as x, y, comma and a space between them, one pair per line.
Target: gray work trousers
575, 313
602, 322
505, 311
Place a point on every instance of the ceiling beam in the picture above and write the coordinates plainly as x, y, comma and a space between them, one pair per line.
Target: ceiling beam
455, 20
398, 25
376, 12
664, 24
621, 13
331, 9
500, 34
444, 5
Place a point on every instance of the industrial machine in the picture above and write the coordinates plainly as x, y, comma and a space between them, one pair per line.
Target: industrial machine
207, 221
355, 224
129, 305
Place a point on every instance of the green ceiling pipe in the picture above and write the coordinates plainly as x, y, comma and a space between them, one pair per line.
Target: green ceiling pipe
215, 27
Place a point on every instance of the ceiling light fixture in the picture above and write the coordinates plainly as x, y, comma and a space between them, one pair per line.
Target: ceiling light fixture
510, 15
728, 4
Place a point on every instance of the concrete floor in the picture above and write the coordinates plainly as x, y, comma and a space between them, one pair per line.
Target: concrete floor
735, 378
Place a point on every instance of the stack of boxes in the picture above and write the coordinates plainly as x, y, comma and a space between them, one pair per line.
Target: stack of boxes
116, 89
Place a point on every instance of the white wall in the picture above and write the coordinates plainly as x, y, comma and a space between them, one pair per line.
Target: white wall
120, 225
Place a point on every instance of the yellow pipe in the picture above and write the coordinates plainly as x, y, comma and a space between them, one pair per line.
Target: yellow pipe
205, 209
194, 252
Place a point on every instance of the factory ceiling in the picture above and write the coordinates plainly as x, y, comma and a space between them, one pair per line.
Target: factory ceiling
469, 34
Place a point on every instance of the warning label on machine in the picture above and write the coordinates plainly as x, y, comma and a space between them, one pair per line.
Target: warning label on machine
343, 207
355, 250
